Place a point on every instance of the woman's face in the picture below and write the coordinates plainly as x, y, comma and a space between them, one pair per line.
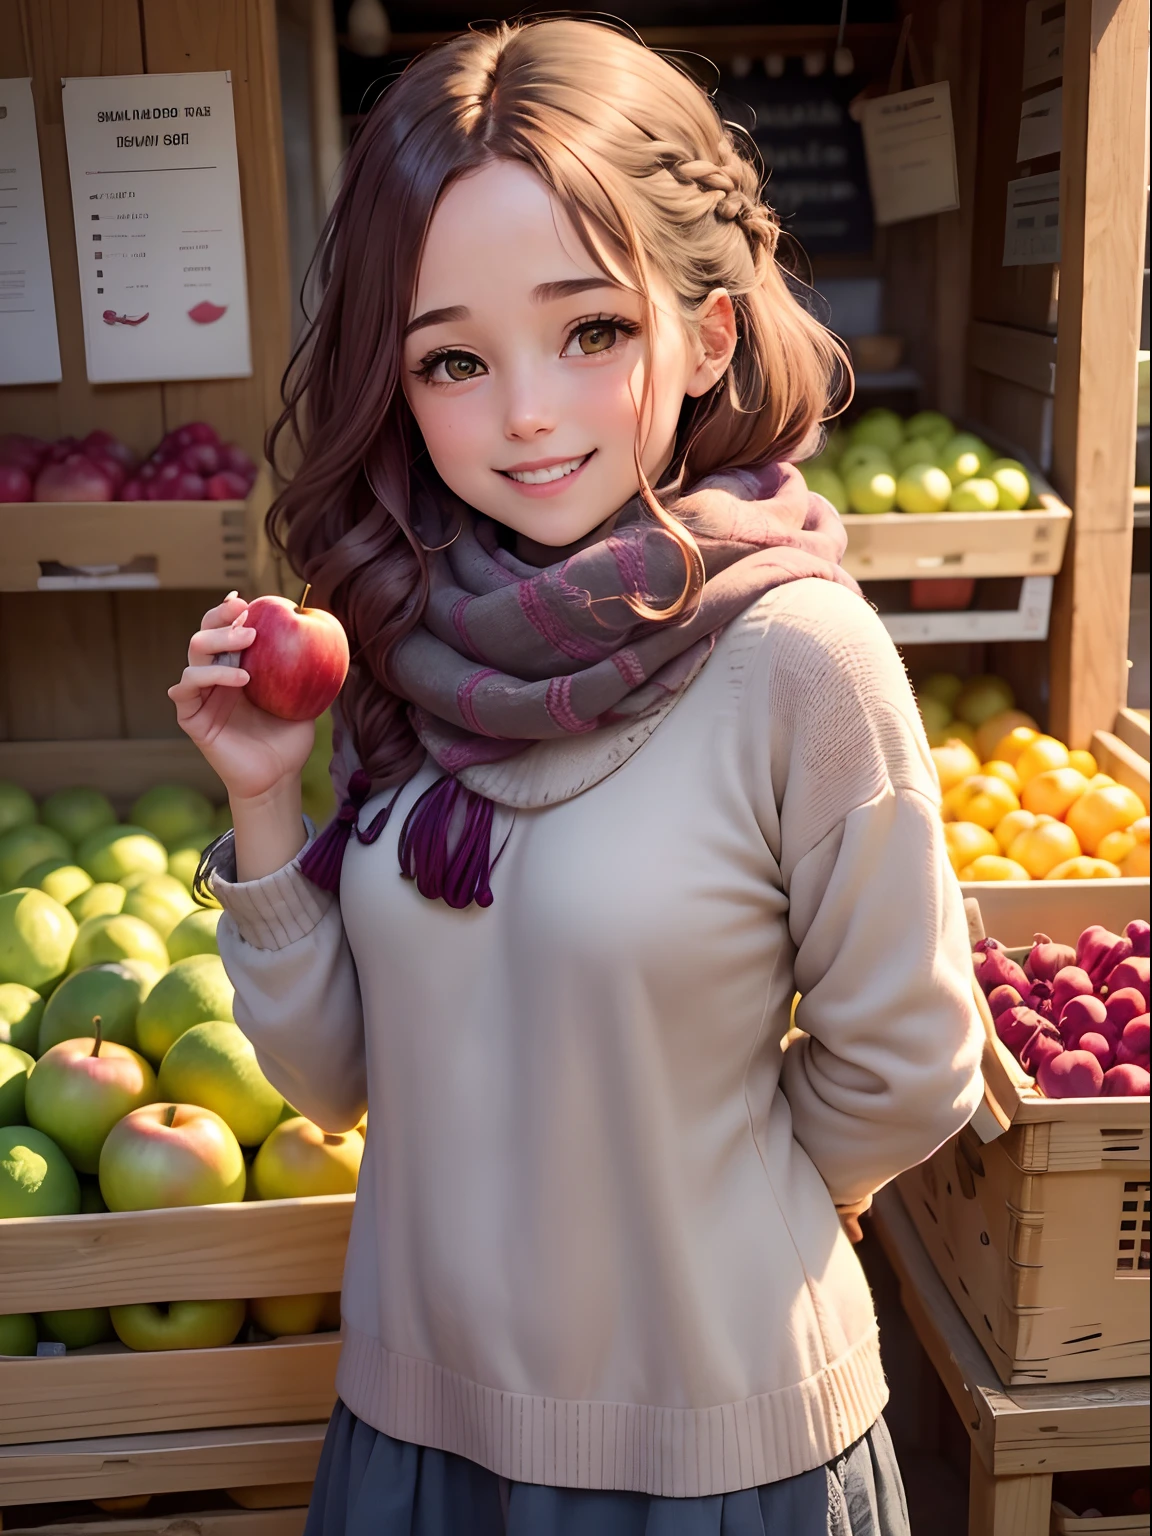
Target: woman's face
524, 364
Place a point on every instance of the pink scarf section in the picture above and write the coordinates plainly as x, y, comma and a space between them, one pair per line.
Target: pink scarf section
509, 654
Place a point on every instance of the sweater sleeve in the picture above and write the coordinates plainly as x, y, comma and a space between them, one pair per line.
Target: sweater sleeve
888, 1065
283, 945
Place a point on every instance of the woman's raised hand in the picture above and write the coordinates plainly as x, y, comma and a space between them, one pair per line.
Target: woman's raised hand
255, 754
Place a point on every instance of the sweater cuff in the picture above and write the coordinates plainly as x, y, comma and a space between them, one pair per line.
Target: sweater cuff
274, 911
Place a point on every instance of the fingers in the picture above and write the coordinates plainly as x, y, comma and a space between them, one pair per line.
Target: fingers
207, 643
196, 681
224, 613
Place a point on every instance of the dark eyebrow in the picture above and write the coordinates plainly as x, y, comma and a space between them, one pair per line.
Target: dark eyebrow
543, 293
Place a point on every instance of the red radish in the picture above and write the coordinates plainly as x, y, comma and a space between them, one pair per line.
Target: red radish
1135, 1036
26, 453
113, 468
76, 479
61, 448
1070, 1075
15, 484
1096, 1045
134, 490
1137, 933
1001, 998
1016, 1025
188, 487
1046, 958
227, 486
1069, 983
995, 969
1040, 998
1123, 1005
201, 459
193, 432
1132, 972
1099, 951
1080, 1014
1039, 1048
102, 445
147, 472
233, 457
1125, 1082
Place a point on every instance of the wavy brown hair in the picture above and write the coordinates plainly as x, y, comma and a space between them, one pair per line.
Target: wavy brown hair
652, 182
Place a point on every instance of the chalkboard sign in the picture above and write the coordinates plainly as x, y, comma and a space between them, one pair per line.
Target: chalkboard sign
813, 153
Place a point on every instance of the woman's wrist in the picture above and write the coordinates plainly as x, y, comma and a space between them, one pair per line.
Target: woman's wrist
269, 829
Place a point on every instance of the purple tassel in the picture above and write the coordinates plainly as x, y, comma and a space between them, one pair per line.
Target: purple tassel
459, 874
323, 862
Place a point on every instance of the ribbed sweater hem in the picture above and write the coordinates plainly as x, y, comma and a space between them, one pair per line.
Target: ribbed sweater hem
668, 1452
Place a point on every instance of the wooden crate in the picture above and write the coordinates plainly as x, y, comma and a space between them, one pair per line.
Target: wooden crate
1014, 910
1065, 1523
288, 1521
122, 769
283, 1247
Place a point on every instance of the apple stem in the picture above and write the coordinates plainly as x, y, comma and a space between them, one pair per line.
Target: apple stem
97, 1024
170, 1115
304, 597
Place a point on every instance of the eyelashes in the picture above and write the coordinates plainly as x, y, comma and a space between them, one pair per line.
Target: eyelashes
473, 367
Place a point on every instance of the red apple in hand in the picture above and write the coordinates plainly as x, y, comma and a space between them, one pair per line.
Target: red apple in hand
298, 660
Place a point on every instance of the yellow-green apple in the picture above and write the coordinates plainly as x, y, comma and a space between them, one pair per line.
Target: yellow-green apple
300, 1159
178, 1324
298, 660
78, 1327
103, 898
116, 937
281, 1315
15, 1066
161, 901
36, 939
171, 1154
194, 935
214, 1064
77, 813
192, 992
21, 1009
63, 882
172, 811
36, 1179
17, 1333
114, 990
23, 848
112, 852
79, 1089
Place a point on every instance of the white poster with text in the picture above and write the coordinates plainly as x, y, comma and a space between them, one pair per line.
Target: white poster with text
29, 345
159, 229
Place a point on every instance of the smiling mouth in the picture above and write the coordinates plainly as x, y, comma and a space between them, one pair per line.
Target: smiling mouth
545, 476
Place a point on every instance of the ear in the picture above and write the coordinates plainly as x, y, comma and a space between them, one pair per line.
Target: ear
716, 341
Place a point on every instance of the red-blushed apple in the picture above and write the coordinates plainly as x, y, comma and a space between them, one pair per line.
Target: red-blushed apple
178, 1324
298, 660
79, 1089
171, 1154
300, 1159
280, 1315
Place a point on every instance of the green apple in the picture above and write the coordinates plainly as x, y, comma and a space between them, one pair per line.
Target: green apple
39, 872
160, 901
195, 934
15, 1066
300, 1159
36, 939
917, 450
178, 1324
77, 813
285, 1316
822, 482
192, 992
975, 495
944, 686
113, 990
63, 882
871, 490
78, 1327
923, 488
862, 456
171, 1154
103, 899
964, 456
214, 1065
79, 1089
36, 1179
22, 848
932, 425
982, 697
1013, 483
17, 1333
935, 714
21, 1009
17, 807
183, 864
117, 937
113, 852
879, 427
172, 811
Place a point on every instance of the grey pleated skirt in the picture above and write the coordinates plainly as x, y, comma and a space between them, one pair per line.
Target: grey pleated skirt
368, 1484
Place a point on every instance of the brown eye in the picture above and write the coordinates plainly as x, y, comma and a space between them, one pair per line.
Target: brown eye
597, 338
461, 367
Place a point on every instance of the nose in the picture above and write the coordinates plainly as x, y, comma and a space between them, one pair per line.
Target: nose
529, 411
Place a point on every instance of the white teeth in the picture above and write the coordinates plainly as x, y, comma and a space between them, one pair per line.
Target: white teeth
544, 476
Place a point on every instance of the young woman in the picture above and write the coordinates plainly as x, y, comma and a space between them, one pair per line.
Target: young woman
634, 763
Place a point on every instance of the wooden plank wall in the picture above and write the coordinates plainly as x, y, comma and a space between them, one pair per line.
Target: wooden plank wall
72, 665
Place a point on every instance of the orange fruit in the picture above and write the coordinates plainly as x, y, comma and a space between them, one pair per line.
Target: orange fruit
1084, 868
1044, 846
1083, 762
1116, 846
955, 761
1040, 755
990, 866
1053, 793
982, 799
1100, 781
1002, 770
1013, 742
994, 730
966, 842
1100, 811
1135, 865
1009, 827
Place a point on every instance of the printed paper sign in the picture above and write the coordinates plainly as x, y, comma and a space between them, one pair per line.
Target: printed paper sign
911, 153
159, 231
1043, 42
1032, 221
1040, 125
29, 346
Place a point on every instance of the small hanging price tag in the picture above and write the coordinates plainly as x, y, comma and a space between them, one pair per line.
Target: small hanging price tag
910, 147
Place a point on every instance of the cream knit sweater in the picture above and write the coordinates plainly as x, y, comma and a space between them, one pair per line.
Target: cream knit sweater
595, 1242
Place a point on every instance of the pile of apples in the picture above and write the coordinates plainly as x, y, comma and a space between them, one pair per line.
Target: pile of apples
883, 463
1019, 804
125, 1083
191, 463
1075, 1019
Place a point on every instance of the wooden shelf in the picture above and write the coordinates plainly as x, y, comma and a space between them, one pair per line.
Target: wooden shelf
896, 546
122, 768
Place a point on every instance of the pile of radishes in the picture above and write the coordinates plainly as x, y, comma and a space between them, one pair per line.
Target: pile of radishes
191, 464
1075, 1019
